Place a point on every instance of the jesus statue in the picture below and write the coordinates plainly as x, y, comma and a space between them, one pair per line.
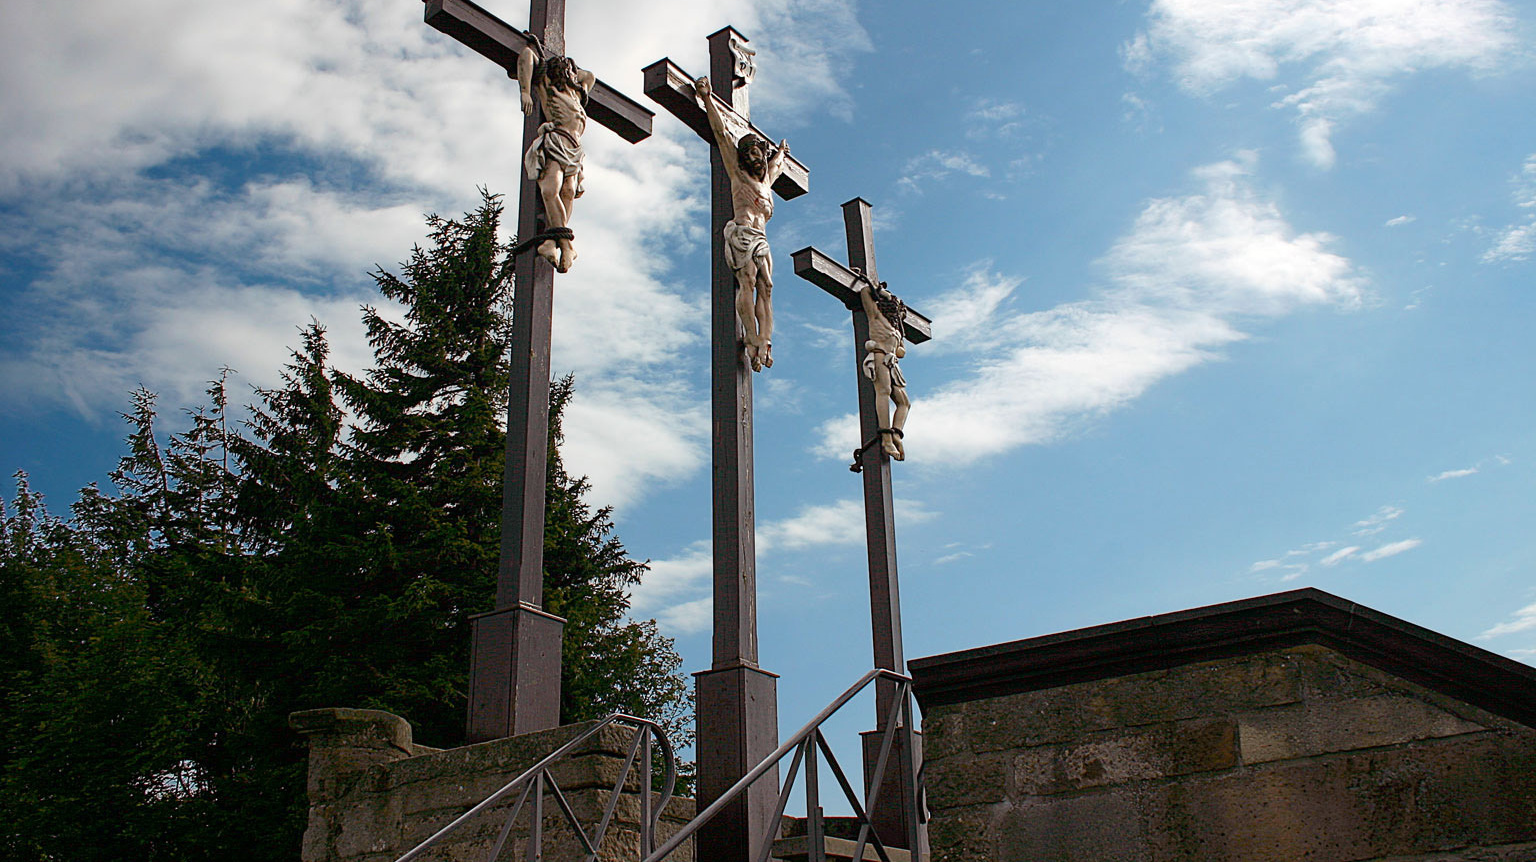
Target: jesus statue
752, 166
560, 89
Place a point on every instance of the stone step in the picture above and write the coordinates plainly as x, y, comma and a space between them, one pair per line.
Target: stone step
798, 849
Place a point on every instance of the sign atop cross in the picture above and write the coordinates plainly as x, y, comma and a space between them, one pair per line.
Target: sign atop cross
514, 679
850, 284
737, 701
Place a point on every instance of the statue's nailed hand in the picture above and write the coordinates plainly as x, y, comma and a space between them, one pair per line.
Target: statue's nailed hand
783, 147
701, 86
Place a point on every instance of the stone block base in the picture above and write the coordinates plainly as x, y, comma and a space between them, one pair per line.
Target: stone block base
374, 794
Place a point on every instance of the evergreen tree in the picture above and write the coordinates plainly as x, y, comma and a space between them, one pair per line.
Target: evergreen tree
155, 643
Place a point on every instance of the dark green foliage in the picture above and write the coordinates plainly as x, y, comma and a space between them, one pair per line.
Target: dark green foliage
155, 643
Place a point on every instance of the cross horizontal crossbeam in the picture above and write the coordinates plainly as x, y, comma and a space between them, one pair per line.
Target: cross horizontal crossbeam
672, 88
838, 280
501, 43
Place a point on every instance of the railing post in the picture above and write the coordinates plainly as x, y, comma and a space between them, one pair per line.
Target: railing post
815, 831
536, 821
647, 837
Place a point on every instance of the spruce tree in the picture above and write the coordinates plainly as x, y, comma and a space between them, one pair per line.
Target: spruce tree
156, 642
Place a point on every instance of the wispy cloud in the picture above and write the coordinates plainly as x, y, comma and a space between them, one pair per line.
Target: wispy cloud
1400, 220
1377, 522
1339, 556
1391, 550
935, 165
1523, 620
1330, 554
1517, 242
993, 118
1339, 59
1453, 474
1191, 272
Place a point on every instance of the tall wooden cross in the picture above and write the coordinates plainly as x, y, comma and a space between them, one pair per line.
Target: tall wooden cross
514, 674
899, 788
737, 701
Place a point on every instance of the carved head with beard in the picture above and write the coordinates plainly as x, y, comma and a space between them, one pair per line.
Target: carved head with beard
752, 156
560, 73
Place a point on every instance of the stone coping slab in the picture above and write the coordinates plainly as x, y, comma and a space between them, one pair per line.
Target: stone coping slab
1307, 616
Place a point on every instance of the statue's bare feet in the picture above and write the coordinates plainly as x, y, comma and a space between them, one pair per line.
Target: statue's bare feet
767, 354
890, 443
567, 257
550, 252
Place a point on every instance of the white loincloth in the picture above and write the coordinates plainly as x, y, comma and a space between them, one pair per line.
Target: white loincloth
898, 380
559, 146
743, 244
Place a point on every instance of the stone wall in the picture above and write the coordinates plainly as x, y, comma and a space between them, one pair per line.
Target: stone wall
374, 794
1288, 754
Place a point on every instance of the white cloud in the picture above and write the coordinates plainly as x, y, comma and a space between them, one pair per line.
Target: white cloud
1523, 620
1400, 220
1296, 571
1182, 281
1265, 565
839, 523
1339, 556
1377, 522
1514, 243
1339, 58
1391, 550
687, 618
938, 164
993, 118
341, 123
1453, 474
669, 581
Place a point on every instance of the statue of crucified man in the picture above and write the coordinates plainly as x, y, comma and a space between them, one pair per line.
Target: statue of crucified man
555, 158
753, 166
886, 314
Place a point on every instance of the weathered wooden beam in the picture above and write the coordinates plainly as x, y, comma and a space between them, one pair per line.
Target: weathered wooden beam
838, 280
501, 43
672, 88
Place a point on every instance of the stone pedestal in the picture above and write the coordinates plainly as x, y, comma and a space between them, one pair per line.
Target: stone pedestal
514, 679
741, 705
898, 788
374, 793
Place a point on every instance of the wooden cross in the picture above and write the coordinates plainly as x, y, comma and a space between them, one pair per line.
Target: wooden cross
871, 461
737, 701
514, 673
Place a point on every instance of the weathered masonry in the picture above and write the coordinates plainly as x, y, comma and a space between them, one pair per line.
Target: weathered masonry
1293, 726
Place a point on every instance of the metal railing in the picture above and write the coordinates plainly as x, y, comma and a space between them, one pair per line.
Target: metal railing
538, 779
805, 744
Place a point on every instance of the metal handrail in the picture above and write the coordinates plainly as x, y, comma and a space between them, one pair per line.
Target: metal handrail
534, 780
805, 742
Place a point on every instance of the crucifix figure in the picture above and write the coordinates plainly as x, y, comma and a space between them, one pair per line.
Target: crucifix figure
558, 88
514, 678
880, 324
886, 315
752, 166
737, 701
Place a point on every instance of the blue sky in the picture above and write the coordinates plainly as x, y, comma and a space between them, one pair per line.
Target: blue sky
1229, 296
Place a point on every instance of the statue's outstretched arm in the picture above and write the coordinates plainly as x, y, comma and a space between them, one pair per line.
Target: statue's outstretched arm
717, 124
525, 62
776, 161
